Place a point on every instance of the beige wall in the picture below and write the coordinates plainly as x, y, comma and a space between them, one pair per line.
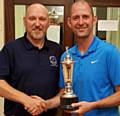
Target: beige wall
1, 23
1, 42
1, 106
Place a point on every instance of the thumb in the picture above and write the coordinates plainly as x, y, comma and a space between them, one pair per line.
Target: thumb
78, 104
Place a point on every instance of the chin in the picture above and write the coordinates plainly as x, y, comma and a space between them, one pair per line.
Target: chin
82, 36
37, 37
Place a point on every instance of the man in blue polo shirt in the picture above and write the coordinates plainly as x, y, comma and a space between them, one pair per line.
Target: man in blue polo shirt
96, 75
29, 69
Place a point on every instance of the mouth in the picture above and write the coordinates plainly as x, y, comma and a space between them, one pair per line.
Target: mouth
38, 30
81, 29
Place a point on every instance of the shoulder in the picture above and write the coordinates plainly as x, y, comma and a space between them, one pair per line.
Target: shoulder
14, 44
104, 45
107, 48
53, 44
55, 47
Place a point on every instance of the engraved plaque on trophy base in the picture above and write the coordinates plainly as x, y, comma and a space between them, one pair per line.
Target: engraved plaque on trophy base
67, 100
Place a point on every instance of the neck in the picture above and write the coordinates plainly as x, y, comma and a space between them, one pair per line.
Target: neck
39, 43
84, 44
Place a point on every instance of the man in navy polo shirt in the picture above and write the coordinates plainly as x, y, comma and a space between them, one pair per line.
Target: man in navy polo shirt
96, 75
29, 69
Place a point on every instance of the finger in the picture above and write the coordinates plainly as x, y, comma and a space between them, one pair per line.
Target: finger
37, 97
34, 96
76, 104
30, 110
75, 111
42, 107
67, 111
25, 108
34, 112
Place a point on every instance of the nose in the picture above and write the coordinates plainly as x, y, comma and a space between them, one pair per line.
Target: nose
37, 22
80, 21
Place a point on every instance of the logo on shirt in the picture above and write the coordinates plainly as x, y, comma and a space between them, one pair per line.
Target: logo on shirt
53, 61
94, 61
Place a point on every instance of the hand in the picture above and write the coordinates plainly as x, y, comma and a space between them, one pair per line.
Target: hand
83, 108
41, 103
35, 105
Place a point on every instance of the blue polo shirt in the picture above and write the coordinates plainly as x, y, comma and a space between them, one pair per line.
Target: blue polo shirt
31, 70
95, 75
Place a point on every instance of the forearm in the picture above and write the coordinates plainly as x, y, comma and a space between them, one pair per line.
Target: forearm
10, 93
34, 106
111, 101
55, 101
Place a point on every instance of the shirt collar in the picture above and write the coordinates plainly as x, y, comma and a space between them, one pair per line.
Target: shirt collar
94, 44
92, 47
30, 46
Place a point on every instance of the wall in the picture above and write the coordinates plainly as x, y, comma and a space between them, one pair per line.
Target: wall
1, 23
1, 42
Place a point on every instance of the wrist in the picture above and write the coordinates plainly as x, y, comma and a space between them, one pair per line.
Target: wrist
94, 105
53, 103
24, 99
97, 104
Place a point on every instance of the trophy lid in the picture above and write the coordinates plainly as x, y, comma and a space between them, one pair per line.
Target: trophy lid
68, 58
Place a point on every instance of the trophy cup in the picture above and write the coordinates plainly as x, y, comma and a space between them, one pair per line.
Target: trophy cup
68, 97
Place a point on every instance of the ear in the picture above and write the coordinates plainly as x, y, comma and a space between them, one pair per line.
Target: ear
24, 20
48, 23
69, 22
94, 20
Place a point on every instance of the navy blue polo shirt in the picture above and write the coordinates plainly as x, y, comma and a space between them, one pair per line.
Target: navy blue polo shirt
29, 69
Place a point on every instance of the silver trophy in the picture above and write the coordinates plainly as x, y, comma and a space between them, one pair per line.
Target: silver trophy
68, 97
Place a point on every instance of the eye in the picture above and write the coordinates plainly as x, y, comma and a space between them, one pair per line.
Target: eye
32, 18
43, 18
75, 18
85, 16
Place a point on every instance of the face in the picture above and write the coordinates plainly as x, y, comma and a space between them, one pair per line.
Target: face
36, 22
81, 20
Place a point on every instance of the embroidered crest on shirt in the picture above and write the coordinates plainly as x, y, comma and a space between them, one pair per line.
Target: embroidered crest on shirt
53, 61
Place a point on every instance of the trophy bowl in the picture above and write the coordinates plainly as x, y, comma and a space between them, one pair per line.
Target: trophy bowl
68, 97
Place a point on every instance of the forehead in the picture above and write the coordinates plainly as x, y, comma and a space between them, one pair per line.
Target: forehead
37, 10
80, 9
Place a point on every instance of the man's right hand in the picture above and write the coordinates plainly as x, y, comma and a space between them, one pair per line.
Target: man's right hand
35, 105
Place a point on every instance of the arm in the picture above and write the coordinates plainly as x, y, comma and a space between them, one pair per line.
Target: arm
55, 101
110, 101
31, 105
